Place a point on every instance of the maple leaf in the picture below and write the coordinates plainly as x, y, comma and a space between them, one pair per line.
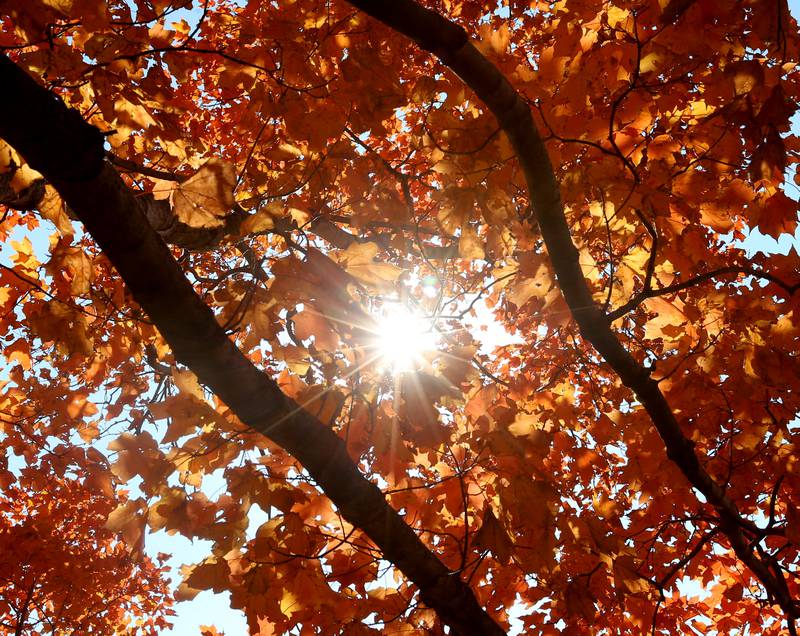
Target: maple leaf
493, 537
777, 215
129, 519
626, 577
206, 198
579, 601
211, 574
74, 265
359, 261
63, 324
139, 455
310, 323
52, 208
56, 549
793, 525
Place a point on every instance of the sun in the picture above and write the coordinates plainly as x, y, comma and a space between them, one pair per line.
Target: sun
403, 339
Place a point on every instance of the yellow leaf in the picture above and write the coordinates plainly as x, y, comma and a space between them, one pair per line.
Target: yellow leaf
88, 431
748, 75
494, 41
312, 323
171, 503
51, 207
750, 438
80, 268
604, 506
258, 222
139, 455
322, 402
187, 383
700, 108
521, 289
9, 159
649, 62
187, 413
626, 578
617, 16
588, 265
289, 603
445, 166
57, 322
163, 188
314, 22
63, 6
25, 258
207, 197
300, 217
668, 321
296, 358
456, 364
18, 352
524, 425
24, 177
129, 519
284, 152
261, 317
469, 244
716, 216
358, 262
130, 115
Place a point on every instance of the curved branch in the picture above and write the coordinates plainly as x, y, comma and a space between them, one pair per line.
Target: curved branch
451, 44
646, 293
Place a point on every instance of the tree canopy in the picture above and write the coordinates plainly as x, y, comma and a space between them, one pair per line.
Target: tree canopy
263, 242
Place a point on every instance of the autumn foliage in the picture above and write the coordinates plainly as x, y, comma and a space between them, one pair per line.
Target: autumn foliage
208, 211
62, 571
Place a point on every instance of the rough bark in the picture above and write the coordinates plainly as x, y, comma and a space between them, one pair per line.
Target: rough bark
451, 44
69, 153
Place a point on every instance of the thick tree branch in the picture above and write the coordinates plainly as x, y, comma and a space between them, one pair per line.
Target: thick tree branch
452, 46
57, 142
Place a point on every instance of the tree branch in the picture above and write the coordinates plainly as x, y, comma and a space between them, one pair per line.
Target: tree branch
649, 292
451, 44
57, 142
132, 166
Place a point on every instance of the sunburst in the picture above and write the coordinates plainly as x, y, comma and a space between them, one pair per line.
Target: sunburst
402, 339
